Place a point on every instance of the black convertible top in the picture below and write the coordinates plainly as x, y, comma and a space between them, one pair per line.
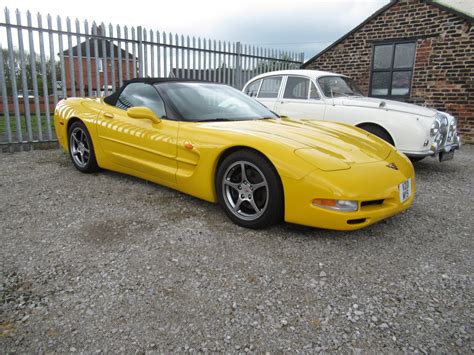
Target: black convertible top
161, 80
112, 99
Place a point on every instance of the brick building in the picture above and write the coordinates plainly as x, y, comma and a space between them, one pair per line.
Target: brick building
417, 51
102, 65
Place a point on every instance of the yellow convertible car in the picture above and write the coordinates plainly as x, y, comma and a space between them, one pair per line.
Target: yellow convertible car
213, 142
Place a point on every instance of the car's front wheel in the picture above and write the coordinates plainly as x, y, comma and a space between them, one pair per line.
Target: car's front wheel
81, 148
378, 131
249, 190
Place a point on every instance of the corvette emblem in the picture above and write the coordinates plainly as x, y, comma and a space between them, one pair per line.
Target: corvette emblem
392, 166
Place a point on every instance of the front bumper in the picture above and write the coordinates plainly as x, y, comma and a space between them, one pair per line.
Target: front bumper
436, 149
368, 183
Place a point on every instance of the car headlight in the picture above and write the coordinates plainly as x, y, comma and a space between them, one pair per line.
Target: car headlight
434, 128
454, 125
336, 205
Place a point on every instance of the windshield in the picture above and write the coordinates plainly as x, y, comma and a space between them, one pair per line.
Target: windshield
212, 102
334, 86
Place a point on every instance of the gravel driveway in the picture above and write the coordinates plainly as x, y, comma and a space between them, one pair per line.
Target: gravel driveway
110, 263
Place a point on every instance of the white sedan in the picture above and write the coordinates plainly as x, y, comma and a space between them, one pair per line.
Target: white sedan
316, 95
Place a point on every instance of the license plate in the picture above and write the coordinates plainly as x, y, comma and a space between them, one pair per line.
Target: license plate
443, 156
405, 190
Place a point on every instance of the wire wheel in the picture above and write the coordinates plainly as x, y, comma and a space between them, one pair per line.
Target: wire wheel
245, 190
80, 147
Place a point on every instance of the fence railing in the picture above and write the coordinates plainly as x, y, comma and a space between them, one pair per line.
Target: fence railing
44, 62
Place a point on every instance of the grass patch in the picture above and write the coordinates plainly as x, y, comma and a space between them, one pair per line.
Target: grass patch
34, 125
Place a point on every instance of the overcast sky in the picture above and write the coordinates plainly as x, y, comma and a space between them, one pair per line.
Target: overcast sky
297, 25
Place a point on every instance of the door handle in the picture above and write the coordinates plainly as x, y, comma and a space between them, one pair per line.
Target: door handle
282, 102
109, 115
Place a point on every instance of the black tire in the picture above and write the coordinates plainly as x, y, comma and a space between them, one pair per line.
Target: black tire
81, 148
254, 200
379, 132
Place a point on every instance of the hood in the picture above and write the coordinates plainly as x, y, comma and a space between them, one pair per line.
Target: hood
387, 105
325, 144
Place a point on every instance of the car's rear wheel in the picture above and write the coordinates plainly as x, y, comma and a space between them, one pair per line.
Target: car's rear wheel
81, 148
249, 190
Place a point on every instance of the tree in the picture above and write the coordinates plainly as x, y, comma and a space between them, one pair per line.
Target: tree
266, 65
29, 78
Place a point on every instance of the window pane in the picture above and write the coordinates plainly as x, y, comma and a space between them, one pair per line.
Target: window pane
252, 89
100, 65
380, 83
383, 56
313, 94
270, 87
401, 83
404, 55
139, 94
333, 86
296, 88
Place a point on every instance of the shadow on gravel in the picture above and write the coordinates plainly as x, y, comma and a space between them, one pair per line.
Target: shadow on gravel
176, 207
111, 231
314, 234
62, 160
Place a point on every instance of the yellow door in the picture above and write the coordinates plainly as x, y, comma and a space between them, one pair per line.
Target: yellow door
139, 144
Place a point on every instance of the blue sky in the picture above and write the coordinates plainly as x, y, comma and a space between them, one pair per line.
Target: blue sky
299, 25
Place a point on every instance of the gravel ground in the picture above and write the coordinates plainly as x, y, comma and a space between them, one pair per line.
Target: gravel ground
110, 263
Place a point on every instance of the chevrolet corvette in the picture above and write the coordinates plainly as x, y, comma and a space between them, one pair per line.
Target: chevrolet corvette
213, 142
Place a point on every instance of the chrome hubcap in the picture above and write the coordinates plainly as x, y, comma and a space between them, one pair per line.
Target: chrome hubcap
79, 145
245, 190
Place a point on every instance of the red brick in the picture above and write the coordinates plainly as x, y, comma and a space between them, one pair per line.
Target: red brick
442, 76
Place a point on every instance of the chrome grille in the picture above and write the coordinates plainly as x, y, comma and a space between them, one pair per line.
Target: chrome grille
452, 131
442, 135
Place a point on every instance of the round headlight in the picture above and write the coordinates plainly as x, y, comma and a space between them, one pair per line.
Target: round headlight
443, 120
434, 128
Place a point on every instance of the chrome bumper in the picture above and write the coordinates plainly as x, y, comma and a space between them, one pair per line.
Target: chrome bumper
456, 144
436, 149
444, 139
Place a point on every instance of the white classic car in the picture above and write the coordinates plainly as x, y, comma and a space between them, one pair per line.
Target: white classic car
317, 95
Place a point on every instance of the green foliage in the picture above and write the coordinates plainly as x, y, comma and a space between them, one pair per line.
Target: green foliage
15, 66
265, 65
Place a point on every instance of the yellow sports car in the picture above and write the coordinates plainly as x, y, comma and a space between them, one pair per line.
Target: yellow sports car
213, 142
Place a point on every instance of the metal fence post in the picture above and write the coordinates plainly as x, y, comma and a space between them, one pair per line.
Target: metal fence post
24, 80
3, 90
238, 66
140, 51
12, 67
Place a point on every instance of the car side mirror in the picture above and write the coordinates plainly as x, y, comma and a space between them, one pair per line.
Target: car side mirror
143, 113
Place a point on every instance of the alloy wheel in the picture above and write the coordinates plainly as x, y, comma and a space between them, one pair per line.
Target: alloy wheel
245, 190
80, 147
